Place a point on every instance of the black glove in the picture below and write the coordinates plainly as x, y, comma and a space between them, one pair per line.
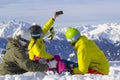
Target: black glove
52, 33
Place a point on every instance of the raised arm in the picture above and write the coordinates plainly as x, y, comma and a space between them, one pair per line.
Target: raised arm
49, 23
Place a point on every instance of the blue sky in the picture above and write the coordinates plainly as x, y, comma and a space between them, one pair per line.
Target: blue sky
75, 11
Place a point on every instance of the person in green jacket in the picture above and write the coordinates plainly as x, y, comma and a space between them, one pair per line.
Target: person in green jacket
15, 59
90, 58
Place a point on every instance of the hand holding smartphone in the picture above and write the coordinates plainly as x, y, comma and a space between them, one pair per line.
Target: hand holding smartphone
57, 13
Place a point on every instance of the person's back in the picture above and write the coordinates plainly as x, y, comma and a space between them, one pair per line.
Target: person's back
37, 50
98, 58
90, 57
8, 59
16, 61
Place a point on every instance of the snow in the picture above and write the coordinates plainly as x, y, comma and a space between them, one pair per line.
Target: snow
104, 34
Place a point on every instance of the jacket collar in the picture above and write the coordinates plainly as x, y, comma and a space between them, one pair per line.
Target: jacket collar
81, 40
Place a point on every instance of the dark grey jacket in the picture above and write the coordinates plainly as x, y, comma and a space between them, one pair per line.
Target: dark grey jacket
16, 61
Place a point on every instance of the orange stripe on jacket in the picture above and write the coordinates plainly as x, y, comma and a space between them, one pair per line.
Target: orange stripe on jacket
91, 71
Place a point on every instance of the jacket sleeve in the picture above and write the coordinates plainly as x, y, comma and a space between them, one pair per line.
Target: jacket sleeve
22, 60
83, 59
39, 50
47, 26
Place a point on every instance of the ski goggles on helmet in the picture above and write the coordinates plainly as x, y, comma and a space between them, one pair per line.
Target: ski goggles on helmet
74, 39
37, 35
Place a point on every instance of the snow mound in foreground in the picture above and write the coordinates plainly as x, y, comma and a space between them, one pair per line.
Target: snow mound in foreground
114, 75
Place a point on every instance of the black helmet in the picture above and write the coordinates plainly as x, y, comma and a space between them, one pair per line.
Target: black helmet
35, 31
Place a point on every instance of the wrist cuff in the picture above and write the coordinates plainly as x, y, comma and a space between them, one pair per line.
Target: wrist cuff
53, 19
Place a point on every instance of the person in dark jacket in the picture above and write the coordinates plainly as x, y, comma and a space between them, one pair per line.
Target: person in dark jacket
16, 61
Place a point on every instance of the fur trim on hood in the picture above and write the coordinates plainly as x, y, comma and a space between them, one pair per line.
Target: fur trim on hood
14, 41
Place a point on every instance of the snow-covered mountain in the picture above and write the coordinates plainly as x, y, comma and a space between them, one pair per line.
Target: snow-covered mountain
107, 36
8, 29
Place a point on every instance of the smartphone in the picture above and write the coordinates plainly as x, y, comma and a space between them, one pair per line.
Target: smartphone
59, 12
